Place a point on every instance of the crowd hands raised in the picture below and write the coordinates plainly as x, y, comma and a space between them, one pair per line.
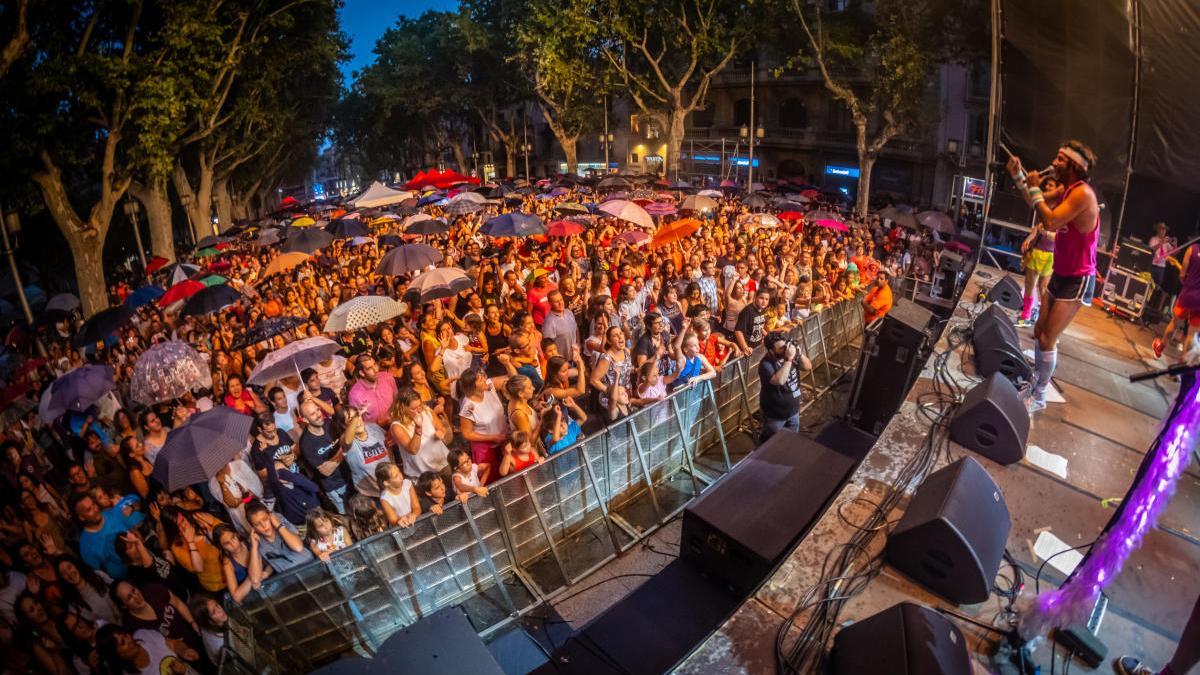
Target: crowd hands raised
104, 570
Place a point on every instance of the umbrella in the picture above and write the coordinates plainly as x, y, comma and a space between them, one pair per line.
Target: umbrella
101, 325
629, 212
197, 449
755, 201
211, 241
65, 302
408, 258
441, 282
363, 311
513, 225
431, 226
181, 291
571, 208
899, 217
155, 264
814, 216
346, 228
613, 182
468, 196
303, 221
389, 240
76, 390
674, 231
206, 252
835, 225
266, 329
661, 209
633, 237
957, 246
698, 203
292, 358
209, 300
268, 237
284, 263
167, 371
143, 296
760, 219
414, 219
463, 208
564, 228
715, 194
791, 215
307, 241
213, 280
359, 241
934, 220
177, 272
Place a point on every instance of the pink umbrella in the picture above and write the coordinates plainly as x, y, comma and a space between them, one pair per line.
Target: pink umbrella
728, 183
660, 209
834, 225
957, 246
564, 228
633, 237
629, 212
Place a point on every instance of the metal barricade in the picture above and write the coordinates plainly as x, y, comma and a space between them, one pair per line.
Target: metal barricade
535, 534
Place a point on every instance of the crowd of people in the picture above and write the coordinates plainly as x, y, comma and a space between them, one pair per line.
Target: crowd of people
105, 569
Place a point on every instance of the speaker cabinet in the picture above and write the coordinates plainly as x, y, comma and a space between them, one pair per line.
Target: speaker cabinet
1007, 293
888, 365
992, 421
952, 537
997, 347
946, 281
906, 639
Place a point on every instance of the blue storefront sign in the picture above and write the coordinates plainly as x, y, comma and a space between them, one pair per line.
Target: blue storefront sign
841, 171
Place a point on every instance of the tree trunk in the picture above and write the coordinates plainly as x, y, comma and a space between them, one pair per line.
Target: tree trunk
224, 204
866, 162
199, 226
460, 157
157, 205
675, 131
570, 148
87, 250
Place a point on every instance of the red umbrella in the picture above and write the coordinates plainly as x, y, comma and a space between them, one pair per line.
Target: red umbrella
156, 263
791, 215
180, 291
957, 246
564, 228
218, 266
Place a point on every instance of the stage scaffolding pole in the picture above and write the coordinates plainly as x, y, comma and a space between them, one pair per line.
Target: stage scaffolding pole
993, 133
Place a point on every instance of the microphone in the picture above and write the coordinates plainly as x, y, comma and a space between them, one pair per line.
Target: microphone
1177, 369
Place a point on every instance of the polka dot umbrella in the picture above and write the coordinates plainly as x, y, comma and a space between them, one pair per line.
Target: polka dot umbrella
360, 312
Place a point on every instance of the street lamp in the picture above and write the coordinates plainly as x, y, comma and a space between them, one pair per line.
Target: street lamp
744, 134
475, 159
525, 149
187, 200
606, 141
131, 207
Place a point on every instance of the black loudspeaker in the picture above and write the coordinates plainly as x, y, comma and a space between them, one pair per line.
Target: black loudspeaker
888, 365
906, 639
952, 537
946, 280
997, 347
1007, 292
739, 540
992, 421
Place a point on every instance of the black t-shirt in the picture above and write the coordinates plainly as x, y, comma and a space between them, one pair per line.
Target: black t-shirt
318, 449
778, 402
750, 323
168, 620
160, 571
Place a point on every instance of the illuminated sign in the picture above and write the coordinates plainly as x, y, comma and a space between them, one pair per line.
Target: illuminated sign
735, 161
973, 189
841, 171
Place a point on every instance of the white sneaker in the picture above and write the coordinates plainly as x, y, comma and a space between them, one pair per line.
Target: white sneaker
1034, 404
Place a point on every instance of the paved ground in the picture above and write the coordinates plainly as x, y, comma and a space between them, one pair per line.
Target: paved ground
1102, 429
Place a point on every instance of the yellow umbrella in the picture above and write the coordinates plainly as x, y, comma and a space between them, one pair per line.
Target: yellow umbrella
303, 221
284, 263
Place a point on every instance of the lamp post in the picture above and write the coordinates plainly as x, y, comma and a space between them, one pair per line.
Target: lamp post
187, 200
131, 207
475, 159
607, 138
11, 225
746, 134
525, 147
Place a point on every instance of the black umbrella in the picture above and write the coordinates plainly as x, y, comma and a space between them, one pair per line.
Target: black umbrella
212, 299
389, 240
101, 325
266, 329
307, 241
431, 226
755, 201
345, 228
197, 449
409, 258
76, 390
211, 240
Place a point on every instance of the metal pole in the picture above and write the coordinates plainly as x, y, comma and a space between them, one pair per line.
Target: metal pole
606, 161
525, 127
993, 128
12, 266
1135, 29
137, 236
753, 126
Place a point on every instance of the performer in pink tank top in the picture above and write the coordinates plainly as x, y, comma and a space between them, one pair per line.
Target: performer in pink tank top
1076, 222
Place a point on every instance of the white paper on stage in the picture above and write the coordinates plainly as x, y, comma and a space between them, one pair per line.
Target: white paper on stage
1048, 461
1047, 545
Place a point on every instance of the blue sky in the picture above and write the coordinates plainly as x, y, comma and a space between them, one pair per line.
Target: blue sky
364, 21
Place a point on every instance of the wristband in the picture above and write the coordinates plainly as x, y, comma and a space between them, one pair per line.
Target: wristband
1037, 199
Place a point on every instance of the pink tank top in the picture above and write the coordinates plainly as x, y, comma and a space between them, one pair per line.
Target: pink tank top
1075, 251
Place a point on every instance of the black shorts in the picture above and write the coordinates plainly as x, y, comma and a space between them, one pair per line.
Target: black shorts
1073, 289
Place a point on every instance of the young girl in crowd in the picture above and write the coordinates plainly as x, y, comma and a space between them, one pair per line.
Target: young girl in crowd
518, 454
397, 496
326, 533
468, 477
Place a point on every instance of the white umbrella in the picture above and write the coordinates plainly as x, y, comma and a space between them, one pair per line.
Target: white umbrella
710, 193
441, 282
468, 197
360, 312
760, 219
629, 212
698, 203
415, 218
937, 221
293, 358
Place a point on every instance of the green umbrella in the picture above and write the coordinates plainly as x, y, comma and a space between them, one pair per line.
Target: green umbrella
213, 280
206, 252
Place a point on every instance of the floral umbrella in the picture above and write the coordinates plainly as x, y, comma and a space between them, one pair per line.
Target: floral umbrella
167, 371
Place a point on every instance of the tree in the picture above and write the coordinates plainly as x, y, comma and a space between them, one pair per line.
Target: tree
19, 41
880, 60
567, 74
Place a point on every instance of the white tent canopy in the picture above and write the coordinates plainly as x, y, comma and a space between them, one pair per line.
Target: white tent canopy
380, 195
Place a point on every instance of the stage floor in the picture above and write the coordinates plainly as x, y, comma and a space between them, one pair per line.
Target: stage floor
1101, 429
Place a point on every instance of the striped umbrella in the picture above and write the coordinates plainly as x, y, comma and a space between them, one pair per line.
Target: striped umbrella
76, 390
292, 358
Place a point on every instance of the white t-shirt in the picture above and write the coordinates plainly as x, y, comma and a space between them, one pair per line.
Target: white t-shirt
364, 456
242, 479
161, 656
401, 503
432, 455
487, 415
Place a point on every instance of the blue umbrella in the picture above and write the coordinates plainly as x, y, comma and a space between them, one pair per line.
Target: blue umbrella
76, 390
143, 296
513, 225
432, 198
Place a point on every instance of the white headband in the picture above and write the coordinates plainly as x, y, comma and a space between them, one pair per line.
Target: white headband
1074, 155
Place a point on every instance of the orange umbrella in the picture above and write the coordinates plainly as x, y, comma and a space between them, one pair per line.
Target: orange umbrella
674, 231
283, 263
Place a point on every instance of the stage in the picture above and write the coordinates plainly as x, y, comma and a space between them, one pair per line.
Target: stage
1087, 449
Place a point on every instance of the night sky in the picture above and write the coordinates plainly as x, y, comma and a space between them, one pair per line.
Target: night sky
366, 20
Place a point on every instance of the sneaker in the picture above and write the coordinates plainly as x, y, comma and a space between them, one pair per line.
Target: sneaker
1034, 404
1129, 665
1158, 346
1024, 323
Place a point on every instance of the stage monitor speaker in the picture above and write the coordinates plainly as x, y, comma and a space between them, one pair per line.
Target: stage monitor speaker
906, 639
992, 421
997, 347
952, 536
1007, 292
739, 540
888, 365
946, 281
1134, 255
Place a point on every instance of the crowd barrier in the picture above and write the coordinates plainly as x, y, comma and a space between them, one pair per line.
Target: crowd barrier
535, 534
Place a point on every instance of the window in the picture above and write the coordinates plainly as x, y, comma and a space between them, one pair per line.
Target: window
976, 132
741, 112
839, 117
702, 118
793, 114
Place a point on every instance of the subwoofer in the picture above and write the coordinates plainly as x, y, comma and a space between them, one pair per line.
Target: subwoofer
992, 421
1007, 292
952, 536
906, 639
997, 347
888, 365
